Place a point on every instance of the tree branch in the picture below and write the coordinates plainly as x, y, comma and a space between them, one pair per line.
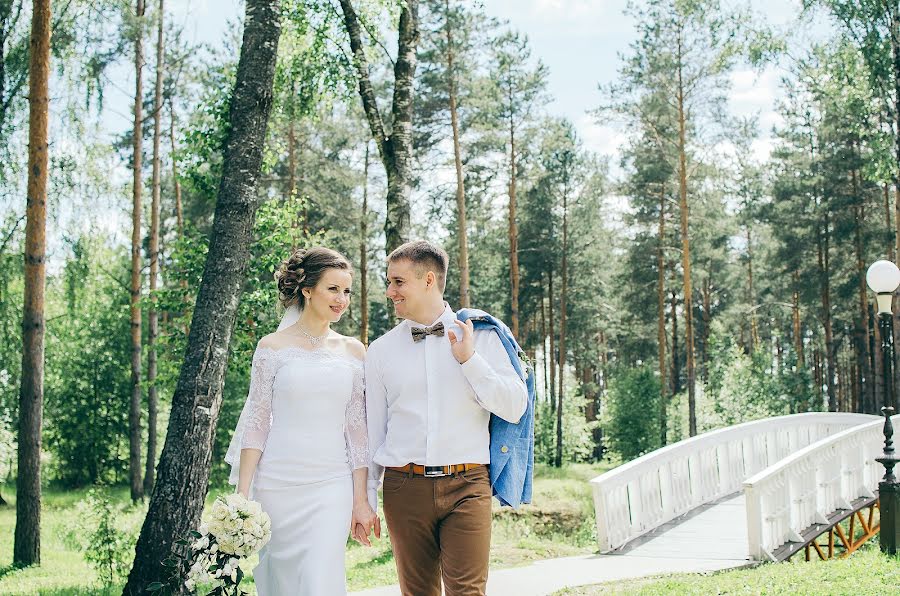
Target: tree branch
366, 91
10, 235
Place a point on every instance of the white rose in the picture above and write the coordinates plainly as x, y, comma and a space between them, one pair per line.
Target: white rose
201, 543
227, 545
189, 584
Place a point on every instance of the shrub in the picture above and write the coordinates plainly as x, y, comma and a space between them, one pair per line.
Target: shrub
105, 535
631, 412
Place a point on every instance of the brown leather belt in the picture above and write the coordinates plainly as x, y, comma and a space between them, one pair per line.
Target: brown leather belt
434, 471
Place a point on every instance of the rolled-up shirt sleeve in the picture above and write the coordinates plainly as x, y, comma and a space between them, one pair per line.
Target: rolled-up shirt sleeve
497, 386
376, 413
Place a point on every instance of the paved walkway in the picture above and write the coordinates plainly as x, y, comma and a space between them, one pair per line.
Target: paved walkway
693, 543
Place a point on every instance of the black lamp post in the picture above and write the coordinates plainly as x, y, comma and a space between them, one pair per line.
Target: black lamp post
883, 278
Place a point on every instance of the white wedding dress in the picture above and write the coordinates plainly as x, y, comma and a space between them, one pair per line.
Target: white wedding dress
306, 412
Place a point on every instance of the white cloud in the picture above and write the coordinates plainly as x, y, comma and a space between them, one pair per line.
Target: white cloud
604, 139
753, 92
563, 17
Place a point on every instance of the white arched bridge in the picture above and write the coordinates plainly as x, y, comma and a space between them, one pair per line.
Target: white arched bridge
758, 491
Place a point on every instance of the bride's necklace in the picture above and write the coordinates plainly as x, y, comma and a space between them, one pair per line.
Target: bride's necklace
315, 340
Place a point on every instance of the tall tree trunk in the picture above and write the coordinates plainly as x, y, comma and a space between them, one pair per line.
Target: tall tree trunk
887, 220
563, 297
394, 148
179, 212
686, 252
895, 59
152, 316
795, 316
818, 377
707, 323
589, 389
661, 317
513, 232
825, 281
364, 256
544, 337
552, 341
751, 294
601, 390
779, 353
676, 366
134, 413
27, 544
183, 471
292, 141
460, 180
863, 356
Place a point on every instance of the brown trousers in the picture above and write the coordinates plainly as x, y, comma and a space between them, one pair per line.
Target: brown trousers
440, 527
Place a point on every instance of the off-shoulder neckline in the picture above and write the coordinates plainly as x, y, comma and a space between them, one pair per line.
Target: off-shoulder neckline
343, 356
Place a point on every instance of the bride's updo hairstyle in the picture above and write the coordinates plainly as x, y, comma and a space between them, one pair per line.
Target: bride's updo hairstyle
304, 269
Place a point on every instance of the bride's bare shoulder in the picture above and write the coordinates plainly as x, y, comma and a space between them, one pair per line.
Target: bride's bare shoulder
272, 341
352, 346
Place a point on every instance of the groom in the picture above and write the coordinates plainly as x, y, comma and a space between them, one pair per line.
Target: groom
432, 384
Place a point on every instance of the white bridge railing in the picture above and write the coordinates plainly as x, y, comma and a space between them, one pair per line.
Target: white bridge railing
654, 489
812, 484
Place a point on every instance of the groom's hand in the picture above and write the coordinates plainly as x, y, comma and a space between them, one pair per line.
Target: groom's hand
463, 348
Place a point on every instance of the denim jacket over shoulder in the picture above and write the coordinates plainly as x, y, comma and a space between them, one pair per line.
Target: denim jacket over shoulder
512, 445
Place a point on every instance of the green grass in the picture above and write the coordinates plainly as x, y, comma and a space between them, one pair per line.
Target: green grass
560, 523
63, 571
867, 572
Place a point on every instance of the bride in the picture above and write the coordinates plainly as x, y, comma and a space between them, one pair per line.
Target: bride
301, 444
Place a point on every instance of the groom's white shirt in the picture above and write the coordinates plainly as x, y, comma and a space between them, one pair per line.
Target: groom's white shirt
424, 407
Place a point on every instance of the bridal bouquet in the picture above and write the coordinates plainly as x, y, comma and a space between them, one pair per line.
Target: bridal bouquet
237, 528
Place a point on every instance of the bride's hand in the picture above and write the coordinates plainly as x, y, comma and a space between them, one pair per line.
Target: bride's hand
364, 519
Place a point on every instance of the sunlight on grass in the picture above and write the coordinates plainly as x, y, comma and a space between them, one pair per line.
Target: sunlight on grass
867, 573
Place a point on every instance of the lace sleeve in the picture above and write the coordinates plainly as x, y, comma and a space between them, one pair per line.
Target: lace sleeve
355, 431
256, 417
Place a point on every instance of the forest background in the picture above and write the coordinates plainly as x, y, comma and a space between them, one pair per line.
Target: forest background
677, 233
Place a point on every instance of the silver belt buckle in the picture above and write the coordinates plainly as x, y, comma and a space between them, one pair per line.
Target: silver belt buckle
435, 471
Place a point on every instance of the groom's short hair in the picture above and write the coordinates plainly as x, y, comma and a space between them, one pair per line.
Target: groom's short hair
425, 256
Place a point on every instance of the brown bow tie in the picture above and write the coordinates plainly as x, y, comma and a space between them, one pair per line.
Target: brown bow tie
419, 333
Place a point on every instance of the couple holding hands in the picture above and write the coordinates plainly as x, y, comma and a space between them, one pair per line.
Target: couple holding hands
439, 411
